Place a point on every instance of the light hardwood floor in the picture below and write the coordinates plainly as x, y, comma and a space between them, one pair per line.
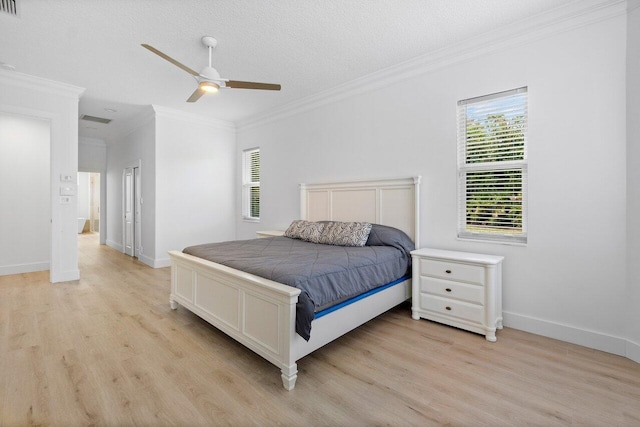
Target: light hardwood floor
107, 350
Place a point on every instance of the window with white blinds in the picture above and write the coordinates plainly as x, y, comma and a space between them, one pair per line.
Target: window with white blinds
492, 167
251, 184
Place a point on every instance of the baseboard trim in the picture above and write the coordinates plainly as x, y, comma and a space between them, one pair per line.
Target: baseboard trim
633, 351
30, 267
162, 263
146, 260
114, 245
65, 276
584, 337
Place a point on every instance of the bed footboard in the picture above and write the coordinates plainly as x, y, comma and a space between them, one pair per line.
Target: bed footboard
257, 312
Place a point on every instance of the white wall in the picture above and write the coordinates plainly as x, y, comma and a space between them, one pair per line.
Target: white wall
195, 181
58, 103
92, 157
83, 195
126, 150
188, 182
633, 179
569, 281
25, 210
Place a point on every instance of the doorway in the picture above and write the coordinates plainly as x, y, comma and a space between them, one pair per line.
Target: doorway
132, 227
88, 202
25, 191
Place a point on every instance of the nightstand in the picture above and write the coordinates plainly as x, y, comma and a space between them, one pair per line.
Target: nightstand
460, 289
269, 233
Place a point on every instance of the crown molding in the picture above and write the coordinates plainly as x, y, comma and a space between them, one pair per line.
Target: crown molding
26, 81
138, 121
94, 142
193, 118
543, 25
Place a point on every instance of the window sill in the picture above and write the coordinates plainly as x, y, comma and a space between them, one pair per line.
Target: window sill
497, 242
253, 220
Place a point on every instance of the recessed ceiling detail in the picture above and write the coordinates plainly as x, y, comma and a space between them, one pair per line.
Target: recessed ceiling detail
9, 6
95, 119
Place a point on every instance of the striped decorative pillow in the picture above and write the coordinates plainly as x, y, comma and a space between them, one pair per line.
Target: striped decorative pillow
345, 233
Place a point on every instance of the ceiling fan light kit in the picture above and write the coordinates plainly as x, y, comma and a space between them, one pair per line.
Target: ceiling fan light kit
210, 87
209, 79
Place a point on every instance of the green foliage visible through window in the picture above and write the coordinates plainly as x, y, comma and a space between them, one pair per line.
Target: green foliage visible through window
492, 166
251, 184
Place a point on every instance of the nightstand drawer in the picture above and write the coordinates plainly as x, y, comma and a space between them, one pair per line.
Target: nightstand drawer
452, 271
455, 290
451, 308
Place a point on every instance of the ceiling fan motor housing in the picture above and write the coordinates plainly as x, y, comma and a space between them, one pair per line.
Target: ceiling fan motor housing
210, 73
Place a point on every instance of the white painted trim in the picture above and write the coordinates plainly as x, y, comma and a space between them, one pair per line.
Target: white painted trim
16, 79
93, 142
633, 351
65, 276
114, 245
193, 118
136, 122
30, 267
568, 333
158, 262
555, 21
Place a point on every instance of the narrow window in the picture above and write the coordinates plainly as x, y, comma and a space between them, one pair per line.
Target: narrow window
492, 167
251, 184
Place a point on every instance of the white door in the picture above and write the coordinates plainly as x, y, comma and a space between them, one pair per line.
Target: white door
129, 220
137, 202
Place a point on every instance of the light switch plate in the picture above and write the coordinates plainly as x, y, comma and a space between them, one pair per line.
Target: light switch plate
67, 191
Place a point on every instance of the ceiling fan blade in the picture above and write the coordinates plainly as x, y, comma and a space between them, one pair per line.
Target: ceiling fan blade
170, 59
251, 85
196, 95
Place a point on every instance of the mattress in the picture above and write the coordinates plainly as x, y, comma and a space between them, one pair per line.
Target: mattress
326, 274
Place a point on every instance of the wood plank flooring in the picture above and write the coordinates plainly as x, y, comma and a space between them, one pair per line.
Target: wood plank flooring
107, 350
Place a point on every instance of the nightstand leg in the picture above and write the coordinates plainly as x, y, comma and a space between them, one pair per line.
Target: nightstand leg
491, 336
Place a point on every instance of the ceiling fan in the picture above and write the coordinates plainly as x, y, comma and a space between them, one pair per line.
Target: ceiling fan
209, 79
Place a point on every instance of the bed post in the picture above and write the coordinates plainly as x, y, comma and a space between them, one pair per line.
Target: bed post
303, 201
416, 197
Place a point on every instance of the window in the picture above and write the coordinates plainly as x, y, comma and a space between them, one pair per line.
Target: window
492, 167
251, 184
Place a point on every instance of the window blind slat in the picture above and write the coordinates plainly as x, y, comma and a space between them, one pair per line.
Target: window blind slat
492, 199
251, 184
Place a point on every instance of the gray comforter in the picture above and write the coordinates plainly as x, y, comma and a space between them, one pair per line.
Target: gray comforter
326, 274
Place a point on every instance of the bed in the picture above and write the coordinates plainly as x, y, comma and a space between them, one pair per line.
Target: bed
261, 313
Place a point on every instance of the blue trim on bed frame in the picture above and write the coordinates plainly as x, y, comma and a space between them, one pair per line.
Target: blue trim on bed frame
359, 297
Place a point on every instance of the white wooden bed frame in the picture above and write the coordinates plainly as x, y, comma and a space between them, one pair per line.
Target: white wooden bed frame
260, 313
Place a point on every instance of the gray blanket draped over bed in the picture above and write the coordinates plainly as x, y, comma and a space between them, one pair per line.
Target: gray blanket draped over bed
326, 274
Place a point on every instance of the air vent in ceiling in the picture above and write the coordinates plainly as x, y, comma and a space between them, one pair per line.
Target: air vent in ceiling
93, 118
9, 6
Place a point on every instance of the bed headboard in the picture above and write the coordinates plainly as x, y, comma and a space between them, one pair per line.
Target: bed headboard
392, 202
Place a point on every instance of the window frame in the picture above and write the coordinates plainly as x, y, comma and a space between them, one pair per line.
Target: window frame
464, 168
248, 185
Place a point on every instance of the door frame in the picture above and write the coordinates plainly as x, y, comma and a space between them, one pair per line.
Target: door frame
103, 201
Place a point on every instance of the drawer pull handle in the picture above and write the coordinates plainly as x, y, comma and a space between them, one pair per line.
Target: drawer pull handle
448, 289
448, 308
448, 271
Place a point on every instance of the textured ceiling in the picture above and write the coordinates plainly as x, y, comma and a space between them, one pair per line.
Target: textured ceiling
305, 45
